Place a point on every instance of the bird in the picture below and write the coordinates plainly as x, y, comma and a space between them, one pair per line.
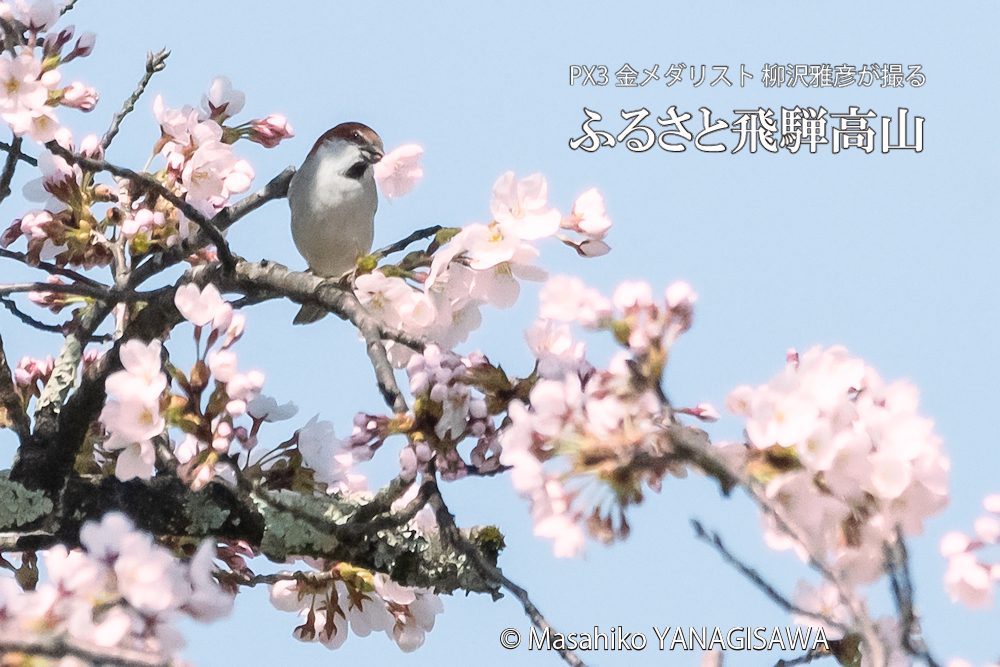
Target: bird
333, 200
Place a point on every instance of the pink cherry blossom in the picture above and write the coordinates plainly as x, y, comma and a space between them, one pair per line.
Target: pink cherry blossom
201, 306
328, 456
20, 87
39, 15
968, 581
222, 101
267, 409
398, 172
521, 205
588, 216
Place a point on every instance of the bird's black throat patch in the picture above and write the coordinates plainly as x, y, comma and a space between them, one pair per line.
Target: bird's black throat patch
356, 170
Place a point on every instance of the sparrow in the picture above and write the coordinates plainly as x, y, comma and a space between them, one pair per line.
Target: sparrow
333, 201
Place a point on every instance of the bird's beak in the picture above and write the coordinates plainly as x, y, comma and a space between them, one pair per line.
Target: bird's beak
374, 155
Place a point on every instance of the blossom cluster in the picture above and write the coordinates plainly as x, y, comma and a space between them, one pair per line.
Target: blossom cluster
81, 217
845, 459
121, 591
446, 412
31, 86
585, 441
69, 229
970, 577
439, 295
132, 414
364, 601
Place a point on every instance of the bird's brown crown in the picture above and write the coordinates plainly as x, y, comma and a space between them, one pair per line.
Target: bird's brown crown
353, 132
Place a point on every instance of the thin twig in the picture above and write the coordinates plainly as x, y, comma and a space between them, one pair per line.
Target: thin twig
451, 533
9, 166
155, 62
402, 244
713, 540
869, 633
20, 156
28, 319
52, 269
811, 654
56, 288
898, 564
277, 188
193, 214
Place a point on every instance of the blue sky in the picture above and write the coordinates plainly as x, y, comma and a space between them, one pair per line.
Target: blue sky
891, 255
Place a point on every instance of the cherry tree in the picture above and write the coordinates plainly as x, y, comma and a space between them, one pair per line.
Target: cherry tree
147, 488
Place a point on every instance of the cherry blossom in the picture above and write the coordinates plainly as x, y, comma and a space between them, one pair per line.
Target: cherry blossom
132, 413
521, 206
588, 216
222, 100
399, 170
203, 306
111, 593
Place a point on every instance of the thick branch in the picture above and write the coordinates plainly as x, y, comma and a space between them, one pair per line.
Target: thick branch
264, 280
10, 400
155, 62
59, 648
46, 460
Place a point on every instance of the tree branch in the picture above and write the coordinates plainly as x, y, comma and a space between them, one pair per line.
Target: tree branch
155, 62
277, 188
8, 168
713, 540
193, 214
10, 400
265, 280
93, 655
81, 289
42, 326
451, 534
898, 564
52, 269
20, 156
403, 243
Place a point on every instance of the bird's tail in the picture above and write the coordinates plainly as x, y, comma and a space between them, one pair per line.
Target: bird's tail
310, 313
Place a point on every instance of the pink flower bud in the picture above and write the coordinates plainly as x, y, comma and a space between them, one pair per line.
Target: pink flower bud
269, 132
79, 96
85, 45
91, 147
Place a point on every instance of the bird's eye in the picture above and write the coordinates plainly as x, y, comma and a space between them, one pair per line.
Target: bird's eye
357, 135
